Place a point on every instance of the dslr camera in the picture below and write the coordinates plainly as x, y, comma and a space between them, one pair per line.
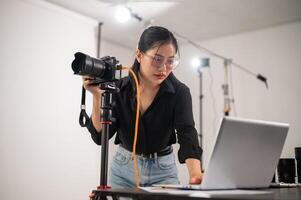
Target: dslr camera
101, 70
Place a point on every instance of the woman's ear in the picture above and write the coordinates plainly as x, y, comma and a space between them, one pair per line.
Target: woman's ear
138, 55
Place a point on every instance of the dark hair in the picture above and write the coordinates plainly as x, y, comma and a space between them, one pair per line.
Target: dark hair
152, 36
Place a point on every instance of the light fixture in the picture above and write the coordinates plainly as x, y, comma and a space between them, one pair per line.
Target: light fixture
198, 63
122, 14
195, 63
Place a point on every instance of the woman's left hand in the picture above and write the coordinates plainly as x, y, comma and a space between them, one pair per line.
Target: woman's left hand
194, 169
196, 179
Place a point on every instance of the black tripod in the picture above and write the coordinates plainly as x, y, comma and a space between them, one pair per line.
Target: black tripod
106, 121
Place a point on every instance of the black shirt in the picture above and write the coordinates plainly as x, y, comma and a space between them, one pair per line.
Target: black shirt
167, 120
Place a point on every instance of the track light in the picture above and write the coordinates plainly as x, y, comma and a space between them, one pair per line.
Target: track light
122, 14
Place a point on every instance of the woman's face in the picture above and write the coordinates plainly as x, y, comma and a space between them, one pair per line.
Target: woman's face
156, 63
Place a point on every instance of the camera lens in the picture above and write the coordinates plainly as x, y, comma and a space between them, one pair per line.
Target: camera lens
85, 65
100, 70
78, 63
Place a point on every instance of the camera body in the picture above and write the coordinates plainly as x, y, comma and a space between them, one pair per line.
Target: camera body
100, 70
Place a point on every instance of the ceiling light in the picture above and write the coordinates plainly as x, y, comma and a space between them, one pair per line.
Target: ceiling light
122, 14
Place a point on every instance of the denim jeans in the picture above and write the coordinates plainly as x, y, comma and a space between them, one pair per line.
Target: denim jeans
158, 170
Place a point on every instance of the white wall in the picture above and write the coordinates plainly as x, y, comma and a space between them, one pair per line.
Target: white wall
44, 152
274, 52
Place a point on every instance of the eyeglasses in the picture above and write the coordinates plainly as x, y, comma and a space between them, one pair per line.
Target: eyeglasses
158, 61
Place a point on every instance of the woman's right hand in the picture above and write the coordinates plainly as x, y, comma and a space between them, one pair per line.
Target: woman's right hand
93, 88
96, 92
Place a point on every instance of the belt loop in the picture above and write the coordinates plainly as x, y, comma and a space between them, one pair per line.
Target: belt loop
155, 155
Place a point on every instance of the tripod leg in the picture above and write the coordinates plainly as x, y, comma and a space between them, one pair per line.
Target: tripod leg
100, 197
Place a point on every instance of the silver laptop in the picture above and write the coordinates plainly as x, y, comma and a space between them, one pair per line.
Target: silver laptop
245, 155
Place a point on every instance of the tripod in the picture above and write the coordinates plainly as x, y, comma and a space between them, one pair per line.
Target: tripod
106, 121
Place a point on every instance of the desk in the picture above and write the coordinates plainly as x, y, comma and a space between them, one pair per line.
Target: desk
278, 194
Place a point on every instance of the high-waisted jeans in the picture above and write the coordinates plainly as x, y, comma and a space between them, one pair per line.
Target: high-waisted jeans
157, 170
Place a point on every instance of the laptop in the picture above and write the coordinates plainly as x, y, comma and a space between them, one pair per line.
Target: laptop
245, 155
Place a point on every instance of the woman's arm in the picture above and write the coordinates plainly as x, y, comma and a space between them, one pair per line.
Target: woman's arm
190, 151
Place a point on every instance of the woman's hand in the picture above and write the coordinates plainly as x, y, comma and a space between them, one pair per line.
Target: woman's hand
194, 170
93, 88
96, 92
196, 179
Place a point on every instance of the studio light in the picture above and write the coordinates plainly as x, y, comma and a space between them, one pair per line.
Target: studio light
195, 63
122, 14
198, 63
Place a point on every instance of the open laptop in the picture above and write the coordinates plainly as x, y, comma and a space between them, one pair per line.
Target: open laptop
245, 155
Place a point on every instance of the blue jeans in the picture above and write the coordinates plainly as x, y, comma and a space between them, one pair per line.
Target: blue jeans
159, 170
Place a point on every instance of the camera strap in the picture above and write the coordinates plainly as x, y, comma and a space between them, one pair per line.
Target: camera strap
83, 117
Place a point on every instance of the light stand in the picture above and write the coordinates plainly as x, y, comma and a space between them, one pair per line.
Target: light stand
203, 62
225, 86
201, 114
201, 107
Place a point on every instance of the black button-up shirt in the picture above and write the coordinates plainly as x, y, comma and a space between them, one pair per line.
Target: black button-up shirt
167, 120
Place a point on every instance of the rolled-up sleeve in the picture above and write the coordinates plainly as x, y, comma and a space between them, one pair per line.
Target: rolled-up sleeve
184, 125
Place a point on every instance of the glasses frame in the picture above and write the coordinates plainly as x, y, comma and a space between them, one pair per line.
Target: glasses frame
163, 63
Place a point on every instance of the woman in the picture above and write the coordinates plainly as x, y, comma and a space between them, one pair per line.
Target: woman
165, 117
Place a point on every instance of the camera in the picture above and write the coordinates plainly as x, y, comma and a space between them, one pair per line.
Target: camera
101, 70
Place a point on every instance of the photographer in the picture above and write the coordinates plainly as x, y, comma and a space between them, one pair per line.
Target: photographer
165, 117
